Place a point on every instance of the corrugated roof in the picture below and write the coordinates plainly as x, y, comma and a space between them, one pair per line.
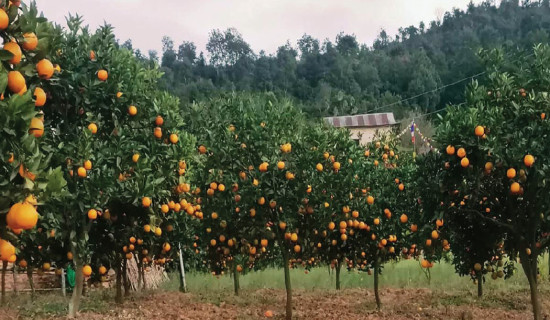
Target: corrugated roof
363, 120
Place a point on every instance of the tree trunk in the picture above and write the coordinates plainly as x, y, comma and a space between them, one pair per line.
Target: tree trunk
125, 278
15, 291
529, 265
376, 274
140, 274
338, 267
236, 284
31, 280
479, 284
74, 303
288, 286
183, 284
118, 298
4, 267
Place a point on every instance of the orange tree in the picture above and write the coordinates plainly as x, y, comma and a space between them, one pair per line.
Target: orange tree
23, 174
500, 157
336, 196
251, 151
121, 142
480, 250
226, 151
390, 207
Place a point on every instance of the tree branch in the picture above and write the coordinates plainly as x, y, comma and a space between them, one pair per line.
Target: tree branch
499, 223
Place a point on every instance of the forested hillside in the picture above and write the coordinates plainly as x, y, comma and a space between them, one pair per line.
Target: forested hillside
344, 77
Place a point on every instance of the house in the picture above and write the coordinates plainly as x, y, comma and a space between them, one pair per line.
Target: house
363, 127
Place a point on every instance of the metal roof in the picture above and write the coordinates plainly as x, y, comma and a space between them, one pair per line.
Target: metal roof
363, 120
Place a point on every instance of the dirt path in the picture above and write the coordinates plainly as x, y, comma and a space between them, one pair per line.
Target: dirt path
398, 304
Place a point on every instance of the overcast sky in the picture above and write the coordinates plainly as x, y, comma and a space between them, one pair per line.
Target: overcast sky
264, 24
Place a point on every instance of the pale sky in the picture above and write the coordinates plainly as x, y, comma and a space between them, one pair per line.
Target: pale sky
264, 24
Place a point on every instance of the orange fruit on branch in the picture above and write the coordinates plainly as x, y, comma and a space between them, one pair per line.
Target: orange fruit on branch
36, 127
87, 271
45, 69
14, 49
4, 20
30, 41
479, 131
102, 75
39, 97
16, 81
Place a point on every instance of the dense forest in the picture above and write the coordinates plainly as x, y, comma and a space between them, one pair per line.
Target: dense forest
345, 77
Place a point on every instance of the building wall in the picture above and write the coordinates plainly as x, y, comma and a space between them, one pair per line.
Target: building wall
368, 133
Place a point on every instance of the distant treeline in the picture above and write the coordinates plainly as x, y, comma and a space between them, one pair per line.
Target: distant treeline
345, 77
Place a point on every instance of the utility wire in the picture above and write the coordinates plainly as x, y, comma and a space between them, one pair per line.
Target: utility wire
430, 91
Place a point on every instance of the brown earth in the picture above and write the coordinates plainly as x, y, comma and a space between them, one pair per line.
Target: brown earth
397, 304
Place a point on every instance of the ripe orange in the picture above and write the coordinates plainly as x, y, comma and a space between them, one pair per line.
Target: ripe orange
132, 110
268, 314
435, 234
16, 81
529, 160
370, 200
477, 267
450, 150
14, 49
36, 128
93, 128
81, 172
479, 131
22, 216
439, 222
158, 231
102, 75
30, 41
511, 173
425, 263
166, 247
23, 263
159, 121
336, 166
401, 187
403, 218
146, 202
202, 149
461, 153
263, 167
147, 228
376, 221
280, 165
4, 20
319, 167
45, 69
102, 270
135, 157
414, 228
297, 248
88, 165
515, 188
6, 250
174, 138
39, 96
119, 94
464, 162
87, 271
164, 208
92, 214
158, 133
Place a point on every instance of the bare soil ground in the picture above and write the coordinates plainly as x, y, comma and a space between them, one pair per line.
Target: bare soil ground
397, 304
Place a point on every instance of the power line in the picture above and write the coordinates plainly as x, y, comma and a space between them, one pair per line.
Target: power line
430, 91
